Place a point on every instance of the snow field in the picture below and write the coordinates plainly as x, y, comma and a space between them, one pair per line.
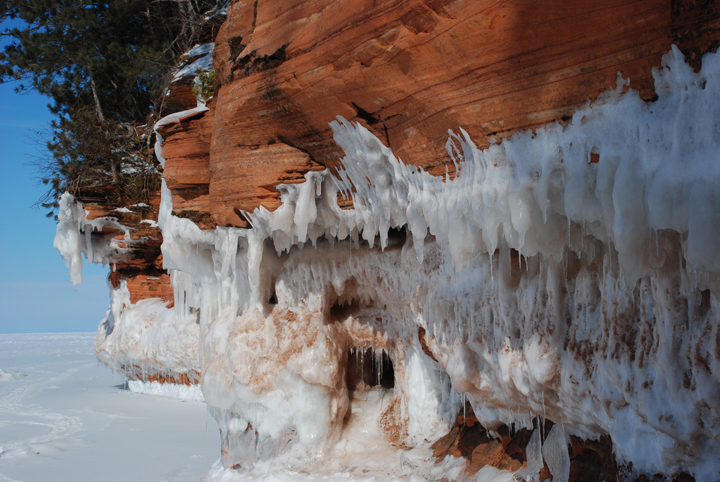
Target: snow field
66, 418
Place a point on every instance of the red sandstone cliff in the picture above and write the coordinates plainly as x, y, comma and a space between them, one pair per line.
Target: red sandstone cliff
140, 265
409, 71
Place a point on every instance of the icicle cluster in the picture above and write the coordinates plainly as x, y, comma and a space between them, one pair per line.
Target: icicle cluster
571, 272
73, 237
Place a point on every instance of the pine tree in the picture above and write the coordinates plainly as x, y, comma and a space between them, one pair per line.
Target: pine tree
103, 64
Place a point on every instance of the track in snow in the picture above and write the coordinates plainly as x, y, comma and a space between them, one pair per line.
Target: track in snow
66, 418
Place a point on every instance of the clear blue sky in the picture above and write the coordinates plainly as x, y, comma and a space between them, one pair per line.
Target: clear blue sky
36, 294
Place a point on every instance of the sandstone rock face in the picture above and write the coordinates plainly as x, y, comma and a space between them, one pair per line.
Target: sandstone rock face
409, 72
144, 287
187, 167
135, 234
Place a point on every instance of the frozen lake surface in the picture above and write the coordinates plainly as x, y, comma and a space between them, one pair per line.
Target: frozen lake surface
65, 417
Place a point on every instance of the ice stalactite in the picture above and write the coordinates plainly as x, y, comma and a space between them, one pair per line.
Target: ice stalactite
555, 454
531, 472
73, 237
571, 272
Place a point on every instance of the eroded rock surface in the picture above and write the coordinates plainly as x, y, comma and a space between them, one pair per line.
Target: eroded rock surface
411, 71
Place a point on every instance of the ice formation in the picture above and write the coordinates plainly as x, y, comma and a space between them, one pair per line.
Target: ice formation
167, 390
151, 342
570, 273
74, 236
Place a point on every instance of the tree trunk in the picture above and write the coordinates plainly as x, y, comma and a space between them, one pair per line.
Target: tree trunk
101, 118
98, 108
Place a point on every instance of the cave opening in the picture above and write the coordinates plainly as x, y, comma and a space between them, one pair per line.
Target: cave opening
273, 298
372, 408
347, 302
369, 368
339, 312
397, 236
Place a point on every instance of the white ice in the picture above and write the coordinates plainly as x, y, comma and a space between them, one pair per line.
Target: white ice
177, 391
361, 454
498, 322
74, 237
66, 418
147, 338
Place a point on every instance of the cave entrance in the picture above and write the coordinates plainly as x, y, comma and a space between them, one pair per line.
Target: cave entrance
371, 415
369, 368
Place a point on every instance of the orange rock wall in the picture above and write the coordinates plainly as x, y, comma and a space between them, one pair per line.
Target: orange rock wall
142, 269
142, 287
409, 71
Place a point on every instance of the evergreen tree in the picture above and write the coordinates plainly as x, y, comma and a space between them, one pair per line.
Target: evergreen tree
104, 65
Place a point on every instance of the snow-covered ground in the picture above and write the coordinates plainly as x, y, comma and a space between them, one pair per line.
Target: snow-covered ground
65, 417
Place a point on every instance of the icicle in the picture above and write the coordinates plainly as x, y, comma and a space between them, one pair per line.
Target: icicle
567, 236
533, 452
492, 278
379, 368
542, 430
520, 258
362, 366
464, 404
556, 455
379, 360
88, 242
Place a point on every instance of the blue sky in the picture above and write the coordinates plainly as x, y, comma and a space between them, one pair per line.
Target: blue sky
36, 294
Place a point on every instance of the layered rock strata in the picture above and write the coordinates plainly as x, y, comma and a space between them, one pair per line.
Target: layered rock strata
552, 261
411, 71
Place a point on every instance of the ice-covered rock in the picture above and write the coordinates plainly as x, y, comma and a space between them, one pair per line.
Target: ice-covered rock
570, 273
147, 341
74, 236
